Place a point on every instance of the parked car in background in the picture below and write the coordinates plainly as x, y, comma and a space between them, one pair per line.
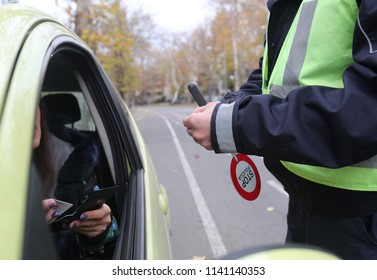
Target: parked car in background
40, 56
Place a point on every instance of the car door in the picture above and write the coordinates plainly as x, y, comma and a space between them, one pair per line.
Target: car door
42, 57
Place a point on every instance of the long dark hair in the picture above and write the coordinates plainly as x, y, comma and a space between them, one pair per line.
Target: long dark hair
42, 155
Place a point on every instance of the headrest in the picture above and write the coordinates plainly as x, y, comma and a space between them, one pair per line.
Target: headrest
61, 108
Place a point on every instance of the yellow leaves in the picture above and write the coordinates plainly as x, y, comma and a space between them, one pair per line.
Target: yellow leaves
104, 28
140, 59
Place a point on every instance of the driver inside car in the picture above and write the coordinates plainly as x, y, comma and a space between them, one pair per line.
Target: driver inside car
93, 235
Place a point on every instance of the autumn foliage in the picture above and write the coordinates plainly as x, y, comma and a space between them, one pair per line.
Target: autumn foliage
148, 64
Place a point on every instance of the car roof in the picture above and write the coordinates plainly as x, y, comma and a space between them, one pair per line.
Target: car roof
16, 22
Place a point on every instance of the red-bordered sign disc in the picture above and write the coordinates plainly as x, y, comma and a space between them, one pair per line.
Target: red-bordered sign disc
245, 177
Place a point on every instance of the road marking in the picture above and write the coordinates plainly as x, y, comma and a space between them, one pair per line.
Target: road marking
213, 235
277, 186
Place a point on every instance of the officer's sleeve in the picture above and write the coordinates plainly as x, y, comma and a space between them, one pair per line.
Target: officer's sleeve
253, 85
314, 125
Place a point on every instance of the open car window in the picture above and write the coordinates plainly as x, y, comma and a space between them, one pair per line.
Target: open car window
72, 71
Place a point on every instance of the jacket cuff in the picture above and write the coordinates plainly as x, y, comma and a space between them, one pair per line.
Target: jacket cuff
98, 243
222, 129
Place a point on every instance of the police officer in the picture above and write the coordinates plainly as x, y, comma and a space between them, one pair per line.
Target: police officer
310, 111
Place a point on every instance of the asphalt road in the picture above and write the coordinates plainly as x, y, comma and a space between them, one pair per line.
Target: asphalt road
209, 219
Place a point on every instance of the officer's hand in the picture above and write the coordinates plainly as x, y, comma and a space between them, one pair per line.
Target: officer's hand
198, 125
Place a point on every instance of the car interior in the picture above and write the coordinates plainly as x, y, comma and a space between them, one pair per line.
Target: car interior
66, 107
63, 109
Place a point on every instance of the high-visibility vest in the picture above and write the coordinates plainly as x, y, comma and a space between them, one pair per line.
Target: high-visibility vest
316, 51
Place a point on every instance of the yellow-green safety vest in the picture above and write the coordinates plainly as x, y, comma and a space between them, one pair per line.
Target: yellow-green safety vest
320, 57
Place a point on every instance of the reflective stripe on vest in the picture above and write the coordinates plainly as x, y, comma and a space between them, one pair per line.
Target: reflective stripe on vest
319, 57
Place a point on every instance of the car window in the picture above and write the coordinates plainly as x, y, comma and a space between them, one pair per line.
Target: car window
72, 71
86, 123
66, 104
90, 122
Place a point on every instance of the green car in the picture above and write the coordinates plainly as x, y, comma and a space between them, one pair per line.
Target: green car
40, 57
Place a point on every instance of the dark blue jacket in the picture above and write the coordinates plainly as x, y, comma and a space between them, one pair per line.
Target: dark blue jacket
347, 117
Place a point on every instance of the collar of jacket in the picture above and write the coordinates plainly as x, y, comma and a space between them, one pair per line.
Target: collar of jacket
270, 3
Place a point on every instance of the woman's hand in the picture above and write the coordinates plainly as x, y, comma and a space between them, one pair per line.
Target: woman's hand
50, 208
93, 223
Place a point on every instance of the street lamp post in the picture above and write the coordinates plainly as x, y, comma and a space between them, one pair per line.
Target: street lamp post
225, 72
